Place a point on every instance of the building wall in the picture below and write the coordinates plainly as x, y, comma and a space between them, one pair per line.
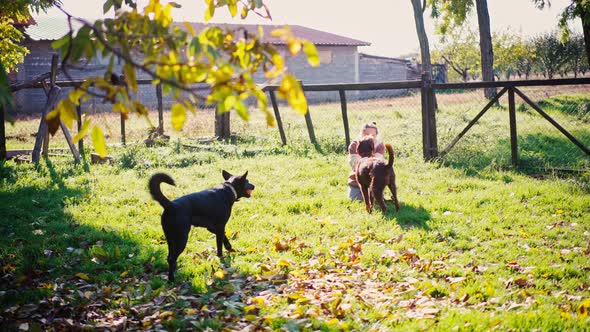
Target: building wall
377, 69
338, 64
38, 62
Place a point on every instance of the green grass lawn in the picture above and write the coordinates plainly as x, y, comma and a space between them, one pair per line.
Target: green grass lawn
477, 245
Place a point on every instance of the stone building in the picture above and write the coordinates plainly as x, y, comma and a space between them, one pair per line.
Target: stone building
340, 62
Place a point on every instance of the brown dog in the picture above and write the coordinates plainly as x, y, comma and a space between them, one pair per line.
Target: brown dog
366, 147
373, 175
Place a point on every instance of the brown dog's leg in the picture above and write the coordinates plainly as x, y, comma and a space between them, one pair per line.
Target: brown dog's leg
381, 200
372, 194
393, 189
366, 197
377, 189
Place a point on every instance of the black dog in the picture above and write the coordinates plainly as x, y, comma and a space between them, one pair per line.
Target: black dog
210, 208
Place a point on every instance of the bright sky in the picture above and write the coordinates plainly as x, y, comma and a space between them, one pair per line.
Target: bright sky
387, 24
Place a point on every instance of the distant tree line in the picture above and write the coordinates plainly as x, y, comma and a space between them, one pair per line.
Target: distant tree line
544, 55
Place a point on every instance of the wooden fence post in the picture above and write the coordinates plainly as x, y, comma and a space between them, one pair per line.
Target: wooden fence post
433, 137
81, 141
309, 123
275, 107
160, 109
53, 75
426, 117
52, 100
513, 132
222, 127
123, 138
2, 135
344, 116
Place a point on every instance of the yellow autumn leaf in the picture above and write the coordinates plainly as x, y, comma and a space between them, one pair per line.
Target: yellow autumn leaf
229, 102
260, 32
281, 32
83, 276
294, 47
233, 7
190, 311
166, 314
75, 96
210, 10
189, 28
250, 318
290, 89
121, 107
242, 110
98, 141
52, 114
130, 79
178, 116
333, 321
67, 112
83, 131
583, 308
258, 300
312, 54
249, 308
219, 274
123, 274
283, 263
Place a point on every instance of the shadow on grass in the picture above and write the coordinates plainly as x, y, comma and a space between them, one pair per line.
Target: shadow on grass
538, 153
577, 106
408, 216
43, 246
59, 274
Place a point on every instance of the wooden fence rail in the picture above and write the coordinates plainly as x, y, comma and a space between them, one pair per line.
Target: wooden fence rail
428, 108
424, 85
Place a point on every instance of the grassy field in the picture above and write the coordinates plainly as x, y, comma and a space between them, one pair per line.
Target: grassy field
477, 245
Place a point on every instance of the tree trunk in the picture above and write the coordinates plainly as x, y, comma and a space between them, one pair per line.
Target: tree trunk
422, 37
486, 47
424, 45
586, 28
429, 103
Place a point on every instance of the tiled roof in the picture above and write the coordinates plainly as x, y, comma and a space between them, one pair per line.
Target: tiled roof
370, 56
48, 28
315, 36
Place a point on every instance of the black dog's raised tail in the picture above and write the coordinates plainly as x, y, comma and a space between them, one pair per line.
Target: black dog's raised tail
154, 186
390, 152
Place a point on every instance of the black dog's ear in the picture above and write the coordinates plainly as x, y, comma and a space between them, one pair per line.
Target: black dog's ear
226, 175
245, 174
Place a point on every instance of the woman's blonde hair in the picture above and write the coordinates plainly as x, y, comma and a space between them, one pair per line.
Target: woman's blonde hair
369, 125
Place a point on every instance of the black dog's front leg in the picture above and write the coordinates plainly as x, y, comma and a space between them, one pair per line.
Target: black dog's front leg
225, 242
227, 245
220, 237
